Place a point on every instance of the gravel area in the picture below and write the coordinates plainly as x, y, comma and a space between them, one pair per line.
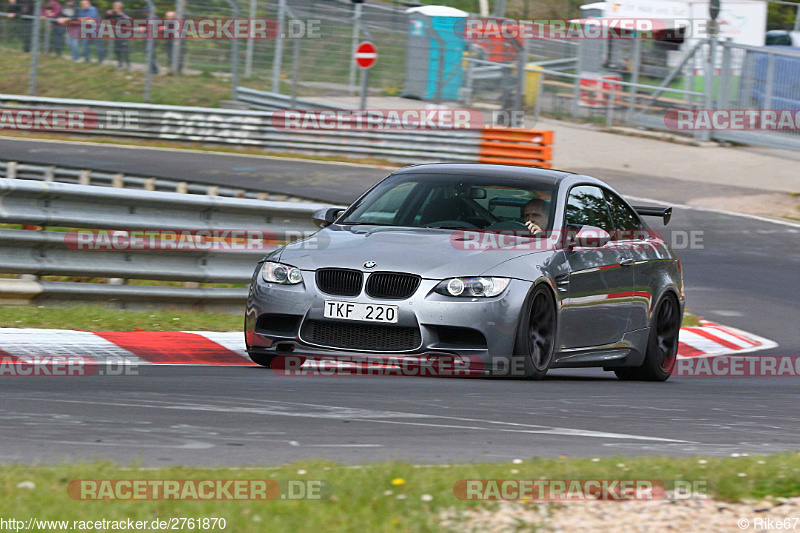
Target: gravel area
696, 515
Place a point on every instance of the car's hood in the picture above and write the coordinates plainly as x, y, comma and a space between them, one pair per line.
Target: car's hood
430, 253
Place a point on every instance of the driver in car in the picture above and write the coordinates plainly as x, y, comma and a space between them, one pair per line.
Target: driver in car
535, 215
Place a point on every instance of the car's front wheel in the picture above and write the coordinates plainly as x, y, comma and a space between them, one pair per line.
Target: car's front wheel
662, 345
536, 334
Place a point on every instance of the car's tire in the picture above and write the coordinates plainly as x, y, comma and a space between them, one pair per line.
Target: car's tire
536, 333
261, 358
662, 344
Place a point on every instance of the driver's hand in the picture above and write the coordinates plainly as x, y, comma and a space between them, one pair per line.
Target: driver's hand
533, 228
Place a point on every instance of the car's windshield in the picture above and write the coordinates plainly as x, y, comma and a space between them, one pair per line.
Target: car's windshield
452, 201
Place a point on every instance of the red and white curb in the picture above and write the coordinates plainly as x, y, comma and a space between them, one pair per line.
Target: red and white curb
710, 339
211, 348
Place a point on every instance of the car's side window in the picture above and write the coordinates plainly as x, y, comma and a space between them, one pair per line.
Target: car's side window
625, 219
586, 205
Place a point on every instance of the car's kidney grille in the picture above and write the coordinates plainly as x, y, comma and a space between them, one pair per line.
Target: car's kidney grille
361, 336
391, 285
339, 281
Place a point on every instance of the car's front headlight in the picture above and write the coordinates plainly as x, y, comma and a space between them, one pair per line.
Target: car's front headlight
280, 273
472, 287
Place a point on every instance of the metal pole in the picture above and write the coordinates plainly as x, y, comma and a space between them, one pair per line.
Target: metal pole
522, 60
725, 76
637, 65
354, 45
797, 18
177, 43
47, 29
276, 60
537, 108
363, 101
151, 13
234, 52
37, 12
708, 78
248, 56
295, 70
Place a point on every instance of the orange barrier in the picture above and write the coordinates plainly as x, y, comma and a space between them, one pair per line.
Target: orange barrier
514, 146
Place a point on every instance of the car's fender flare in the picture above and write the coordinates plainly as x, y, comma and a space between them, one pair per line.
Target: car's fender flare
668, 289
542, 280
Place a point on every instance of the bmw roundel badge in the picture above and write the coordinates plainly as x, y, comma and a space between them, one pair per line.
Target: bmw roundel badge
370, 264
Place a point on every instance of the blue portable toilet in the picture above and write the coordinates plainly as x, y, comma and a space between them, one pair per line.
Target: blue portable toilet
434, 53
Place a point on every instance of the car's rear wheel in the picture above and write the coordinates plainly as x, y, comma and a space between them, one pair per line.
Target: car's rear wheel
662, 345
536, 334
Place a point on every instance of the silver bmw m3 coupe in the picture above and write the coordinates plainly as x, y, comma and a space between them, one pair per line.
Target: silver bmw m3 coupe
513, 267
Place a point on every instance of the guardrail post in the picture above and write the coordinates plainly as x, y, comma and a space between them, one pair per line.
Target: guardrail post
11, 170
213, 191
118, 181
149, 184
49, 173
182, 187
84, 177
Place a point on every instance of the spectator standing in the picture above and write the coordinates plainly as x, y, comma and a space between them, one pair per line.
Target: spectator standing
69, 12
121, 46
172, 43
21, 24
88, 12
51, 10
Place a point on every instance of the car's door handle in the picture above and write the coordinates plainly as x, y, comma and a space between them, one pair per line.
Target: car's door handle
628, 261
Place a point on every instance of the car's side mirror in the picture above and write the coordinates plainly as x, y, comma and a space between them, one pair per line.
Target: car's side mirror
589, 237
325, 217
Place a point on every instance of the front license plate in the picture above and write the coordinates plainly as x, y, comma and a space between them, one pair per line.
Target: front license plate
356, 311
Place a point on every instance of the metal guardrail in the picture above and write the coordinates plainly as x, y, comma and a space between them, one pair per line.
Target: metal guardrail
269, 130
55, 253
83, 176
268, 101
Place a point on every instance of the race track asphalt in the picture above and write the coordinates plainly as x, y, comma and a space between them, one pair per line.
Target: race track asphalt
744, 275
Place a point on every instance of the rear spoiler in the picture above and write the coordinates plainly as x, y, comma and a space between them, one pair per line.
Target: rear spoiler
663, 212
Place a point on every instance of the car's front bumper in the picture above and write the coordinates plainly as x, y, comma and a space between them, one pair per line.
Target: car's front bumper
489, 324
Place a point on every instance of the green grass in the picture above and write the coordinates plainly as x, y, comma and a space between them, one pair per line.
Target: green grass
360, 499
98, 318
61, 78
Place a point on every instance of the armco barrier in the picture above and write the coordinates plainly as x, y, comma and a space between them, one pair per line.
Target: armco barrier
85, 176
48, 253
266, 130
